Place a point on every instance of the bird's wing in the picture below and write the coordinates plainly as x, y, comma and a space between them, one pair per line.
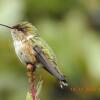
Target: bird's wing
48, 52
46, 57
48, 65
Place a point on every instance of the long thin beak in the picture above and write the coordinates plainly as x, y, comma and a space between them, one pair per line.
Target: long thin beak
6, 26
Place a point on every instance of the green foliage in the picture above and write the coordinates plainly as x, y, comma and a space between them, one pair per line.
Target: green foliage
28, 97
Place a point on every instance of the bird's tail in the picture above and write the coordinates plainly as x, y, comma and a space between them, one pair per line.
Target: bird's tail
63, 83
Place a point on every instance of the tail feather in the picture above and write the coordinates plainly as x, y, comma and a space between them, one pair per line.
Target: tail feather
63, 83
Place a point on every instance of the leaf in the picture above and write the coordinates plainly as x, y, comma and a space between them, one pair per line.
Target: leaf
29, 97
39, 87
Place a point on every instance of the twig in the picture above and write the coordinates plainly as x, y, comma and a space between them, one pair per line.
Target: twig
34, 88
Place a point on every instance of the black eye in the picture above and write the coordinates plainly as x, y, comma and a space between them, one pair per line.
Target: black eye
21, 29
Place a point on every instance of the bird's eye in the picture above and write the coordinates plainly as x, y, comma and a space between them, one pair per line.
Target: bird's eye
21, 29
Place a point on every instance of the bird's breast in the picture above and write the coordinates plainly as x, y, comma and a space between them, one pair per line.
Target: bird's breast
25, 52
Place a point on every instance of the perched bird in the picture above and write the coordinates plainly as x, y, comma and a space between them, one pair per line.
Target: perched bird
32, 49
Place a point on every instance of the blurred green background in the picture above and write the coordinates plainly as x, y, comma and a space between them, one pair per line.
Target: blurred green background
71, 28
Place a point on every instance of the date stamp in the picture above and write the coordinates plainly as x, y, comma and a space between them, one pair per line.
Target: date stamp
84, 90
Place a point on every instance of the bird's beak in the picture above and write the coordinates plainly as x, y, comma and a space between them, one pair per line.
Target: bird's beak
6, 26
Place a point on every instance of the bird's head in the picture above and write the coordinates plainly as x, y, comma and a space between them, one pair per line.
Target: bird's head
22, 31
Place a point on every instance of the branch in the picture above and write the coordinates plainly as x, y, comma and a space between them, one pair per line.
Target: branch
34, 88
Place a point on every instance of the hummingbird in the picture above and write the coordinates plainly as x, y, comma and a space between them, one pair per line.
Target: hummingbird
32, 49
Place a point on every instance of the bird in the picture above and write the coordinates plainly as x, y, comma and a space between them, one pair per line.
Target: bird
32, 49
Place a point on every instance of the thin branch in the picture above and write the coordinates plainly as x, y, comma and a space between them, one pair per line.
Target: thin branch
34, 88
